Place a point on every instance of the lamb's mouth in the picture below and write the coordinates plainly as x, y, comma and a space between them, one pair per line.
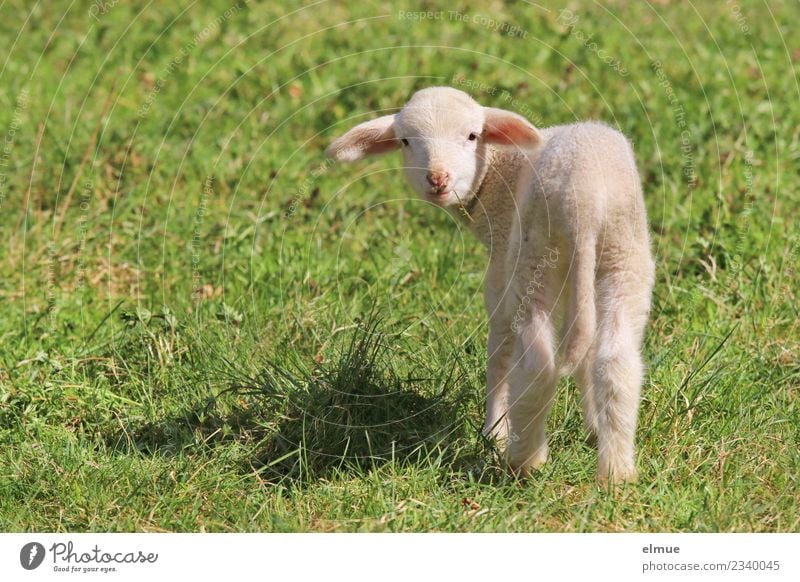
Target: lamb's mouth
439, 195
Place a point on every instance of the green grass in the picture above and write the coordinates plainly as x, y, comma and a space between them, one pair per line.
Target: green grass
207, 327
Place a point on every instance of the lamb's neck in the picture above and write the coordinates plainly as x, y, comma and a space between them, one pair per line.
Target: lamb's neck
490, 214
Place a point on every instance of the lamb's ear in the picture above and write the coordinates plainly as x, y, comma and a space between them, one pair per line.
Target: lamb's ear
506, 128
369, 138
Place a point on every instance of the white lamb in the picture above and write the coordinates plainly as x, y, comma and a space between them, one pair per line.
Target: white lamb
570, 268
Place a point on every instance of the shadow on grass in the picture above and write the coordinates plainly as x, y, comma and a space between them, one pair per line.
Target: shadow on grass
353, 414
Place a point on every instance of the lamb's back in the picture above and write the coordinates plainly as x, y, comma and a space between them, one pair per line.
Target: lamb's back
583, 175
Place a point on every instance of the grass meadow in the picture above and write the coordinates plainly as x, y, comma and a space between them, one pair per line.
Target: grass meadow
207, 326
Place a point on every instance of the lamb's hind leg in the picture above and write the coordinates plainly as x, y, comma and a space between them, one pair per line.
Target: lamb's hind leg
580, 328
531, 389
618, 374
584, 378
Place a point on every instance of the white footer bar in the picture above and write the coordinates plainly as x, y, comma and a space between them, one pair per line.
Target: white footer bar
389, 557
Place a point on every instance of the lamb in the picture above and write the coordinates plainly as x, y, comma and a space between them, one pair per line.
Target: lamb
570, 276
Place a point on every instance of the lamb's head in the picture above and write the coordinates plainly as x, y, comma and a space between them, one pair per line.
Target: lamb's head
444, 135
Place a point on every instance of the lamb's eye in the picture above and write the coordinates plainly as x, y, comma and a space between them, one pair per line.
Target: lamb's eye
473, 136
404, 142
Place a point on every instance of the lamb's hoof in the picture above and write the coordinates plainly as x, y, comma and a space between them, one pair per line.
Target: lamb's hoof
617, 477
521, 468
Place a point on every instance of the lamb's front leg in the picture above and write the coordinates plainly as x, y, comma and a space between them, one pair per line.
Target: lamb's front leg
500, 346
499, 351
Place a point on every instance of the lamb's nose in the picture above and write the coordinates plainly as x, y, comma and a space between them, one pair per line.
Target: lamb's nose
438, 179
